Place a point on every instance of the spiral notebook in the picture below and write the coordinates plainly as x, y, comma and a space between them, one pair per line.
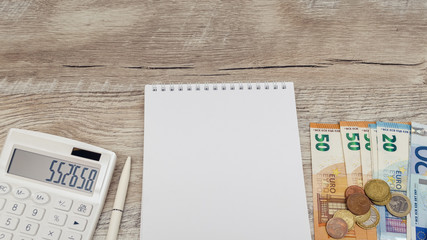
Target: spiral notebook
222, 162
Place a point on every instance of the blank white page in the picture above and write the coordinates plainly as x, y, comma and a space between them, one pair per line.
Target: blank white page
222, 162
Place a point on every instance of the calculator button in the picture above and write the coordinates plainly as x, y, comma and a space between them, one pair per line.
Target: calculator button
35, 212
29, 228
15, 207
9, 222
4, 188
50, 233
41, 198
2, 202
23, 238
82, 208
63, 204
77, 223
5, 236
57, 218
21, 193
71, 236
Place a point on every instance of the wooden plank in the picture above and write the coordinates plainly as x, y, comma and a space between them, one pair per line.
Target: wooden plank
304, 39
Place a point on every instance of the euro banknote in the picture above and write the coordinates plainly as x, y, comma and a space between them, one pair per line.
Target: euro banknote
365, 150
366, 161
374, 159
352, 149
393, 160
329, 177
374, 149
418, 181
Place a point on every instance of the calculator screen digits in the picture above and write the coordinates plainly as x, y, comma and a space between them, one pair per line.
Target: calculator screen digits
53, 170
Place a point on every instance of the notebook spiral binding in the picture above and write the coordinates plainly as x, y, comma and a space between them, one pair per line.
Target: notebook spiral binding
219, 86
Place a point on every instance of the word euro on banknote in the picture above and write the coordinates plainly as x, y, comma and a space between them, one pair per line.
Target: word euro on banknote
393, 160
329, 177
418, 181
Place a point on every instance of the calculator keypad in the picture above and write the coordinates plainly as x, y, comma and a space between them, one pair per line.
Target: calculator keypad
67, 235
41, 198
2, 202
77, 223
27, 215
16, 208
62, 204
82, 208
5, 235
9, 222
23, 238
21, 193
4, 188
35, 212
57, 218
28, 227
50, 233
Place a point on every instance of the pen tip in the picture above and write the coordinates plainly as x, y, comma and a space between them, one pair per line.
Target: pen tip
127, 164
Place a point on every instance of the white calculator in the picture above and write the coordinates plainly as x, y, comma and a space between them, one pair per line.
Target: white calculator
51, 187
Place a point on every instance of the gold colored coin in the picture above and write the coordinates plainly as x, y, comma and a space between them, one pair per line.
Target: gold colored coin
363, 218
347, 216
373, 220
399, 205
377, 190
383, 203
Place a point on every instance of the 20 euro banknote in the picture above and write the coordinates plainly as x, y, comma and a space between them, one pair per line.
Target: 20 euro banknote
393, 160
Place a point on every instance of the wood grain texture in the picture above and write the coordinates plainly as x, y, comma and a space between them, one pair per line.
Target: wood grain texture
78, 69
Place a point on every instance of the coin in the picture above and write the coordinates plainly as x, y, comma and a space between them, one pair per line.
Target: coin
353, 189
358, 204
373, 220
337, 228
377, 190
383, 203
363, 218
347, 216
399, 205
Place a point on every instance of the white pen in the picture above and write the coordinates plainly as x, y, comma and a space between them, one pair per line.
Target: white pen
119, 202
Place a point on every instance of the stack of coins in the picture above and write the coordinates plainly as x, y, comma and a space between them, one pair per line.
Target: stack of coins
362, 212
366, 216
396, 203
378, 191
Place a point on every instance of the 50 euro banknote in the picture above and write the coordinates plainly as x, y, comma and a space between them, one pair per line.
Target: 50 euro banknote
418, 181
354, 146
329, 176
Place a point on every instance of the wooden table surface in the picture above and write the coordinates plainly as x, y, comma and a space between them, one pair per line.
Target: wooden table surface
78, 68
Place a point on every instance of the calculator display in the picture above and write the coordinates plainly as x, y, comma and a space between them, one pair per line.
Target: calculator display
53, 170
